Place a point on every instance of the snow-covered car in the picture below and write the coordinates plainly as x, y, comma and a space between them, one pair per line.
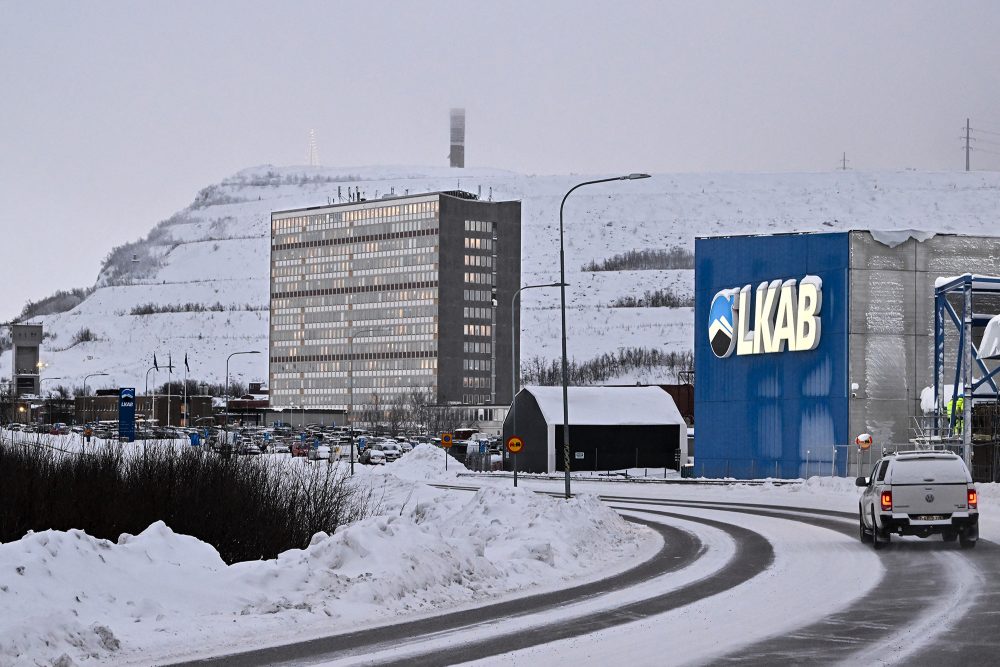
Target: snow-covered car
406, 447
392, 451
279, 448
373, 455
919, 493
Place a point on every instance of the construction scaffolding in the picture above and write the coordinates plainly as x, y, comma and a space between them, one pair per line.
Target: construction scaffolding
966, 415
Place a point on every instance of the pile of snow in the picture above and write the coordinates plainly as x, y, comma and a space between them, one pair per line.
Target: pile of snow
425, 462
69, 597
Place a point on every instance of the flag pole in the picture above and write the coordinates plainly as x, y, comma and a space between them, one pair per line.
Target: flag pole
187, 414
170, 372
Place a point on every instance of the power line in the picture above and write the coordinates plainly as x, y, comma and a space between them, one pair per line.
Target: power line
983, 150
985, 141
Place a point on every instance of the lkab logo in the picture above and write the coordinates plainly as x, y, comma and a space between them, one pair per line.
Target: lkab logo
784, 316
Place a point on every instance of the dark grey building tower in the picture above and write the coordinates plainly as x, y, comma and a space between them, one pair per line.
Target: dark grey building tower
457, 154
372, 300
27, 339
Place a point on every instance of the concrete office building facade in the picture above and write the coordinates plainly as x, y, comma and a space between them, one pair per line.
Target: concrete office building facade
373, 300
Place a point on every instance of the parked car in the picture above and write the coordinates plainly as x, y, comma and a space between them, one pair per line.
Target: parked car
373, 455
321, 453
919, 493
279, 448
250, 449
392, 451
300, 448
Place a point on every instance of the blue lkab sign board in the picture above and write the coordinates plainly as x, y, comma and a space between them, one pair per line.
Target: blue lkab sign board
126, 414
771, 352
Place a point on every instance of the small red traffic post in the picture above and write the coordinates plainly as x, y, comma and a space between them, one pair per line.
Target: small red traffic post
446, 442
514, 445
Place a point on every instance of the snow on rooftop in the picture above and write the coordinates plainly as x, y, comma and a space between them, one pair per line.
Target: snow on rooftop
605, 406
895, 237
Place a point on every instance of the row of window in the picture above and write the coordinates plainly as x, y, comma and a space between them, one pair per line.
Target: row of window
479, 226
334, 307
477, 295
475, 347
477, 330
322, 253
478, 278
348, 215
479, 260
339, 368
347, 285
352, 237
477, 383
477, 313
319, 261
478, 244
477, 364
297, 348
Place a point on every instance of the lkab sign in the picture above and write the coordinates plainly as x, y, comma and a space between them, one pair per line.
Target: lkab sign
783, 315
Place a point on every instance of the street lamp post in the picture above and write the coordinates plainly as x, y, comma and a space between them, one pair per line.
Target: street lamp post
152, 403
350, 380
514, 366
562, 309
45, 399
225, 427
85, 378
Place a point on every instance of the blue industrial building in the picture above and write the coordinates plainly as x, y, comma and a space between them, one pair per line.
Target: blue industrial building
804, 341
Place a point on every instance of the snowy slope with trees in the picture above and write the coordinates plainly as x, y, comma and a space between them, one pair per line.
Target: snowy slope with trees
198, 282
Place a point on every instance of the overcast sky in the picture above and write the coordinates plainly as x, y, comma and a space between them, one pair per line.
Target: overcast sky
114, 114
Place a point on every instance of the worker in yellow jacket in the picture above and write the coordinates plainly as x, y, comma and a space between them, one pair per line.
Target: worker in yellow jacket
957, 406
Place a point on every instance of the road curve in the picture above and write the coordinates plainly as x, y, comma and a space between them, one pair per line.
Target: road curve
680, 548
878, 627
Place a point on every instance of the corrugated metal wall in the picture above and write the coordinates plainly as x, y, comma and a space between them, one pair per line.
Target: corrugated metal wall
892, 325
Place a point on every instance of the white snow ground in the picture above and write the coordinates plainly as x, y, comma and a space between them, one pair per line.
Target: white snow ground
159, 595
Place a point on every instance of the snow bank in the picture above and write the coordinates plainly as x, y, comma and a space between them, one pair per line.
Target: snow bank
424, 462
69, 597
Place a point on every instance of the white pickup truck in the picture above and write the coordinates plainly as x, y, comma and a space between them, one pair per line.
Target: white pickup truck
919, 493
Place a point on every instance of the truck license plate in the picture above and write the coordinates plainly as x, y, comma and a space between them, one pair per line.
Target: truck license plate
930, 517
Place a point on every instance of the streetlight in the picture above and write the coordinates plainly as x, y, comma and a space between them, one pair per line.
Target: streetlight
225, 427
351, 333
153, 402
85, 378
45, 398
562, 308
514, 370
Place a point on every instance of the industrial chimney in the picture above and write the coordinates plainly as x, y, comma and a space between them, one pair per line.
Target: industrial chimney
457, 154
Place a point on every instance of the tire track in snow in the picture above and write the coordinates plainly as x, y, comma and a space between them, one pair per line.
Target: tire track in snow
680, 549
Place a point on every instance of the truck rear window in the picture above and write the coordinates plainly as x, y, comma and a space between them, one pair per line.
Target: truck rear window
919, 471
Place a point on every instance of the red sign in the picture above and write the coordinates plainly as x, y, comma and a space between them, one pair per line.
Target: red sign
514, 444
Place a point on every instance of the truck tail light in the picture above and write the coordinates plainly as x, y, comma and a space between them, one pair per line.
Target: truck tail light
886, 501
973, 499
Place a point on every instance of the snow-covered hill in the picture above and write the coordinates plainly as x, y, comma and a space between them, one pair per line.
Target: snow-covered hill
202, 275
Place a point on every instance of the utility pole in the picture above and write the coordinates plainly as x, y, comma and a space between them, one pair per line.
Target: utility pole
843, 162
967, 144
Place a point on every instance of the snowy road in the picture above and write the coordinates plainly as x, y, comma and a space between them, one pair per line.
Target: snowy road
735, 582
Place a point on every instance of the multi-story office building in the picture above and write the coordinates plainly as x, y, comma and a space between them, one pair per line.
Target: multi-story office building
371, 300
